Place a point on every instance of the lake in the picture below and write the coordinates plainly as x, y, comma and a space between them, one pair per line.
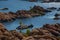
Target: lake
38, 22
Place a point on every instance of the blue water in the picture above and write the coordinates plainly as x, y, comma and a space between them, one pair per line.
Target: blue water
38, 22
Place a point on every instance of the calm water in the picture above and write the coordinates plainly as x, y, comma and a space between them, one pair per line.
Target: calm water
15, 5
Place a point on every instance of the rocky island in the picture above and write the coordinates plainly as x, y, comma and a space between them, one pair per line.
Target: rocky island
35, 11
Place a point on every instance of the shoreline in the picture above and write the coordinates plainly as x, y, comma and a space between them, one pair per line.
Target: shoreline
47, 32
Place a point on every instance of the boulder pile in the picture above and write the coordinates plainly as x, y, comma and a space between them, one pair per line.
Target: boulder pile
7, 16
35, 11
9, 35
47, 32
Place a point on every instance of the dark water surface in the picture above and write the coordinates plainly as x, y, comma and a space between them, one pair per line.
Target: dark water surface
38, 22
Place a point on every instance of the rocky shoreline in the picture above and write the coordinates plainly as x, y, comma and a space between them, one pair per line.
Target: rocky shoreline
47, 32
33, 12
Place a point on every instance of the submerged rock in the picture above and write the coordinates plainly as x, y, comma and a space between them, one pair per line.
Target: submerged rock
58, 9
52, 8
3, 8
21, 27
56, 16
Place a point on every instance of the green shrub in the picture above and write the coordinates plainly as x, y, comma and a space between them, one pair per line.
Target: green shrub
27, 32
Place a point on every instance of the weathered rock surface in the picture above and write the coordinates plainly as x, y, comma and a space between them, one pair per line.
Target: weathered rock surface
47, 32
9, 35
21, 27
35, 11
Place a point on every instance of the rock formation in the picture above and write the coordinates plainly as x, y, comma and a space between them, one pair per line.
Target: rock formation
35, 11
47, 32
3, 8
57, 16
9, 35
52, 8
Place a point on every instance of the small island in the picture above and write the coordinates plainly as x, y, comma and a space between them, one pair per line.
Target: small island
33, 12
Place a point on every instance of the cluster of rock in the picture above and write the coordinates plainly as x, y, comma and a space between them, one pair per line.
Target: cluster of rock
21, 27
9, 35
51, 0
3, 8
7, 16
35, 11
51, 8
47, 32
57, 16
